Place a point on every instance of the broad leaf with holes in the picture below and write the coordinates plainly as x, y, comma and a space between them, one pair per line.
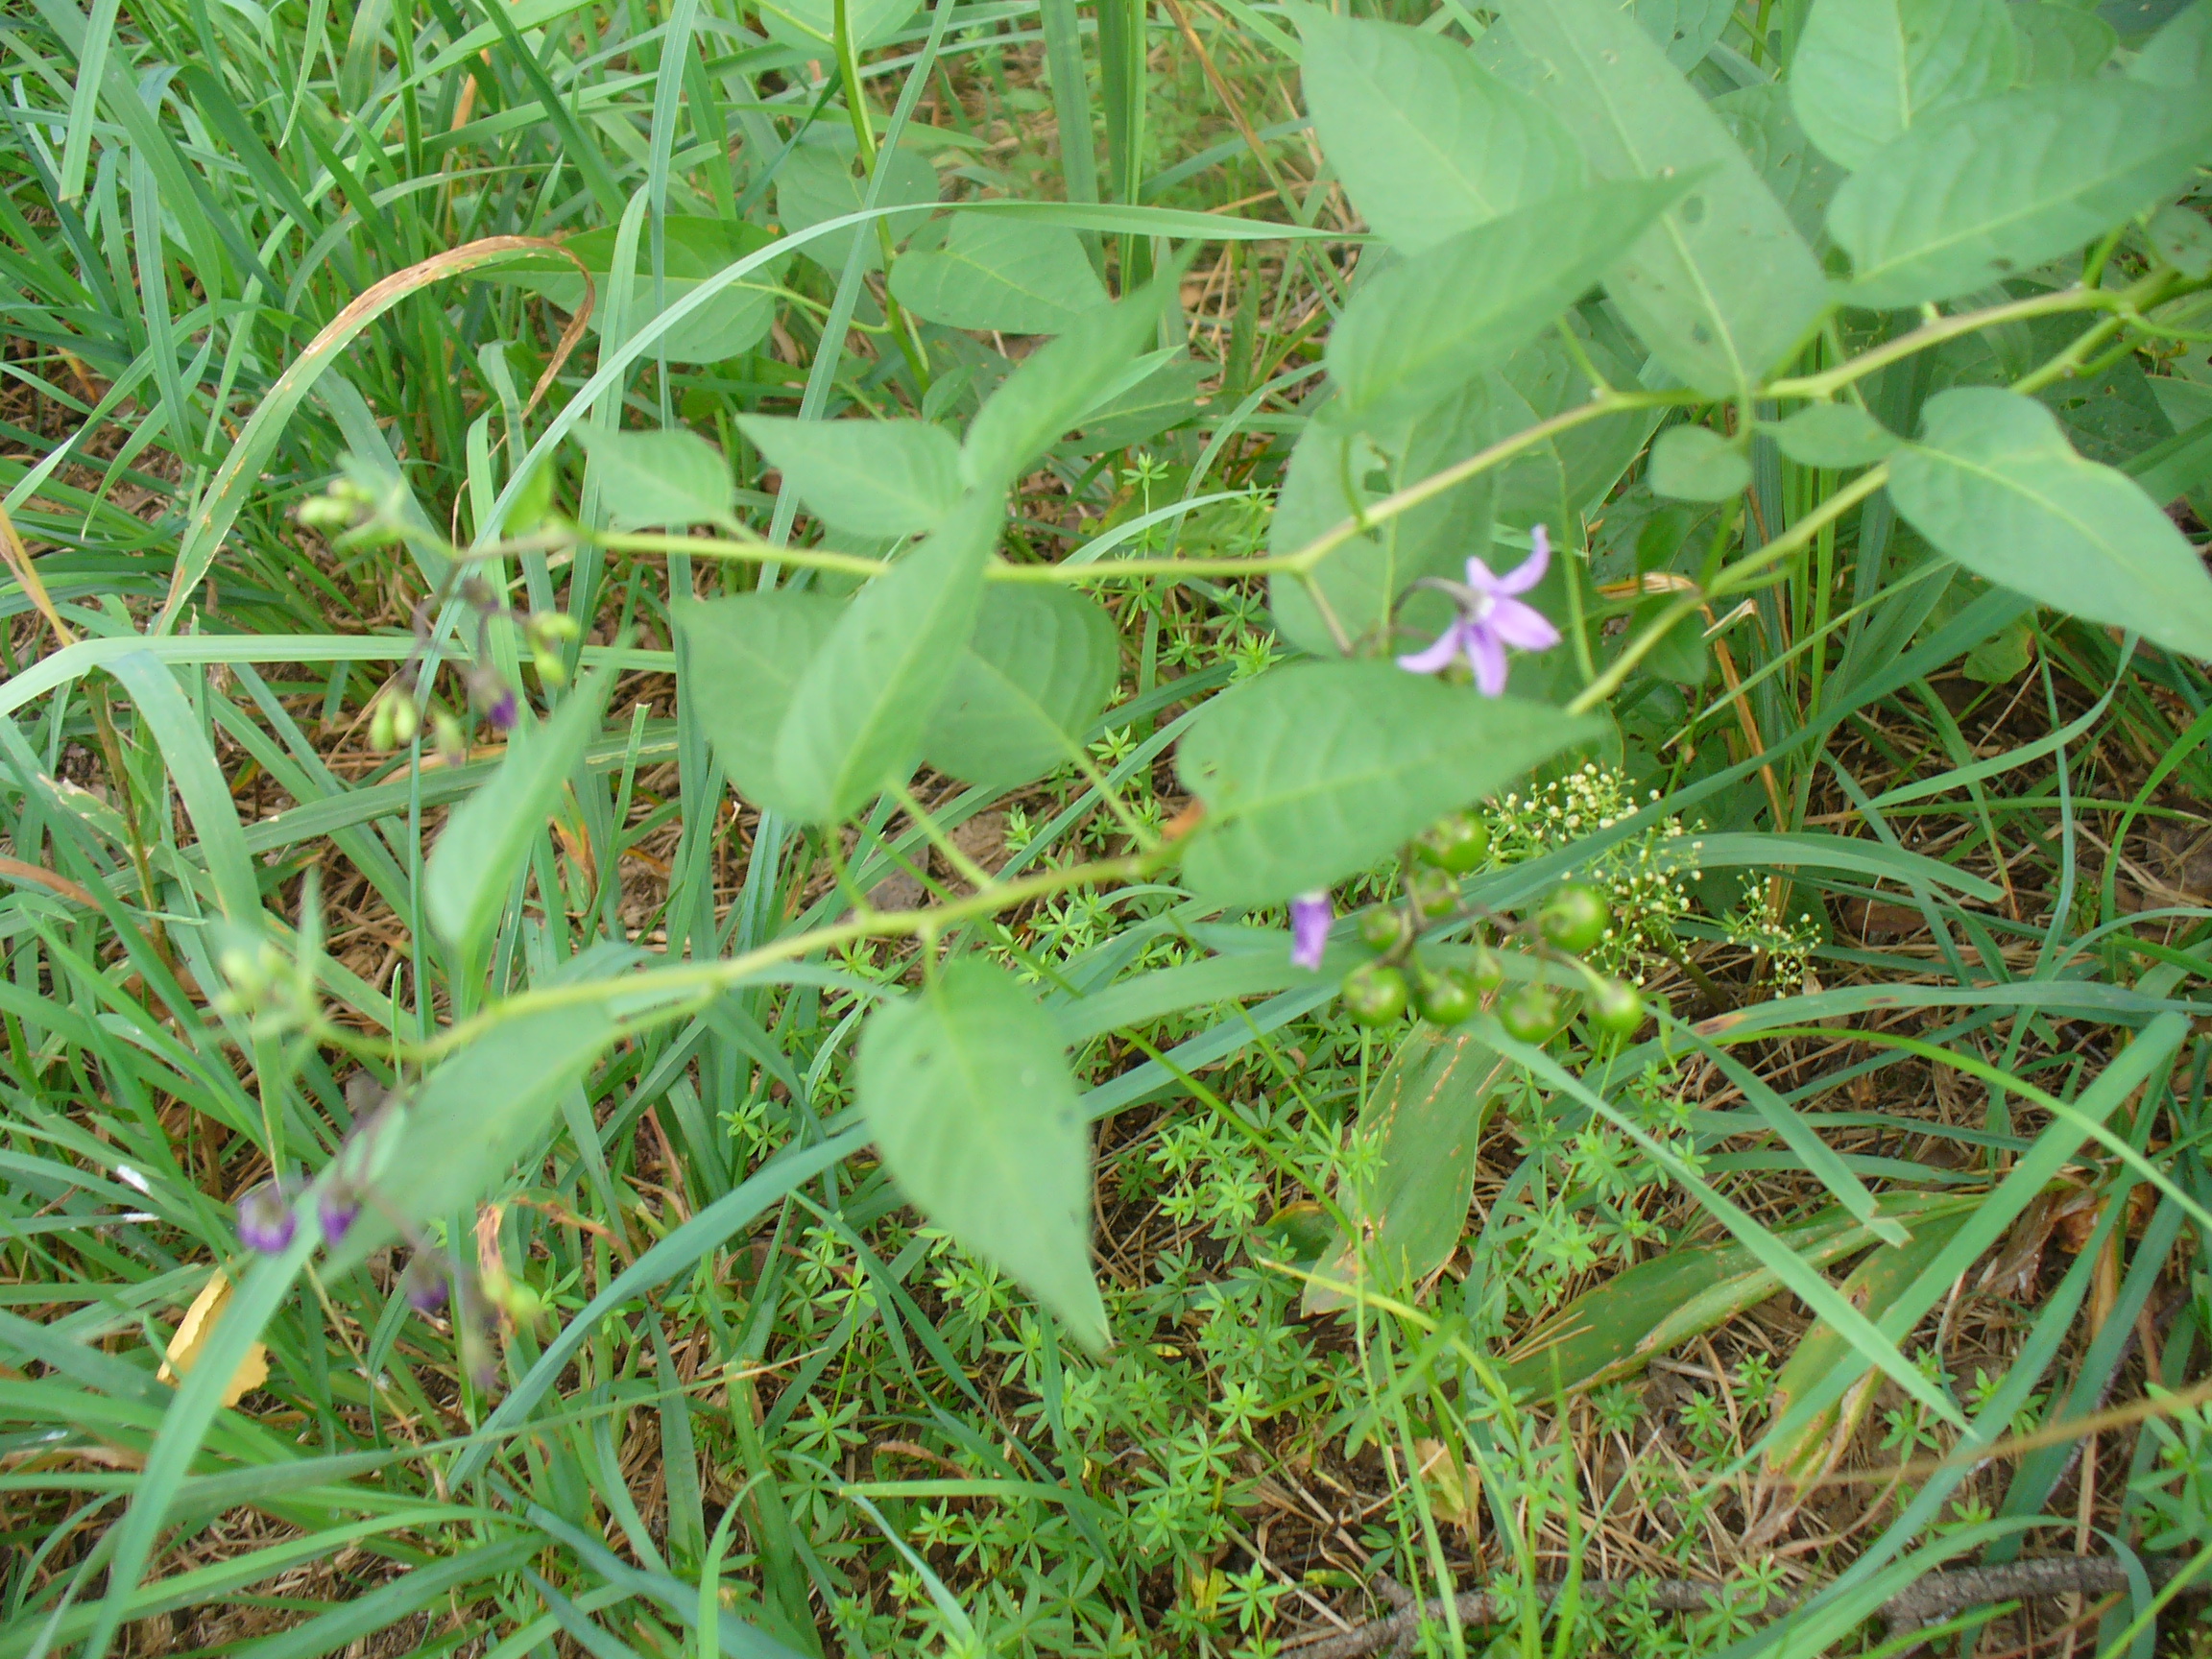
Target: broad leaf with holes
1993, 484
1039, 667
1313, 772
1722, 287
867, 477
1000, 273
1868, 70
1426, 142
967, 1091
1993, 188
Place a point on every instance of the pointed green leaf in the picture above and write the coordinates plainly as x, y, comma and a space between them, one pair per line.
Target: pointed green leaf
2060, 43
2179, 54
1697, 464
1426, 327
866, 477
811, 25
858, 715
1313, 772
1804, 181
1991, 189
817, 182
1685, 30
994, 272
1993, 484
692, 250
670, 479
1428, 143
487, 840
1868, 70
1039, 667
1722, 287
1834, 434
744, 658
967, 1091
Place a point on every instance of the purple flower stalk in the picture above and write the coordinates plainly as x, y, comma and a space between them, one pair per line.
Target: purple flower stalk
265, 1219
1309, 918
1490, 619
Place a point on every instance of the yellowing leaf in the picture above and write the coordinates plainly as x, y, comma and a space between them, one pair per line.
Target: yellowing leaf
192, 1337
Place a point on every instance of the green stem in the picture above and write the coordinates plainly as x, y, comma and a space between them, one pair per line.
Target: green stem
1832, 380
902, 327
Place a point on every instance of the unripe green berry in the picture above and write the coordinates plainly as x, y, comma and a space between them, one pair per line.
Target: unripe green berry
1574, 918
1374, 994
383, 730
1433, 892
1460, 843
1381, 926
1616, 1007
1531, 1014
1486, 972
1448, 997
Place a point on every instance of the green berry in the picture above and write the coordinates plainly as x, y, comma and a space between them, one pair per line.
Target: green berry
1460, 843
1433, 892
1574, 918
1531, 1014
1486, 972
1374, 994
1448, 997
1617, 1008
1381, 927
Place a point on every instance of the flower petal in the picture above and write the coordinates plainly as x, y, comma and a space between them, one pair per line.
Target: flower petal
1487, 653
1440, 655
1309, 918
1482, 578
1531, 571
1521, 625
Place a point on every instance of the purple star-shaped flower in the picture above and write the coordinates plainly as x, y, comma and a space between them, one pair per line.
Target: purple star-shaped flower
1309, 918
1490, 619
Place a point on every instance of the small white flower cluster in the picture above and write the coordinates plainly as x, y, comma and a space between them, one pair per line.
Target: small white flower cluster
1787, 946
1641, 875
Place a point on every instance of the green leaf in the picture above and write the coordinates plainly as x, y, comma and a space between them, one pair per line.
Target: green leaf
2060, 43
1680, 656
474, 1117
2181, 236
817, 182
1426, 142
865, 477
1614, 1329
669, 479
995, 272
693, 249
1059, 384
1364, 579
1991, 189
1038, 669
1722, 287
1834, 434
2179, 54
1874, 1286
1993, 484
967, 1091
745, 657
1313, 772
1685, 30
1169, 396
1425, 327
1868, 70
487, 840
1763, 126
858, 715
1427, 1114
1697, 464
811, 25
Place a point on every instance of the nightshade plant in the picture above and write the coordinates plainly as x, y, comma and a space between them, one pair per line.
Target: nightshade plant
1665, 318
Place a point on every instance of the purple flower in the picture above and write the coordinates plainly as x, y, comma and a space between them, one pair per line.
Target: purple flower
336, 1208
1309, 918
425, 1283
265, 1219
504, 710
1490, 619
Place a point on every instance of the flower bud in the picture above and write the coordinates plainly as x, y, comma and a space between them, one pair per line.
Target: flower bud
336, 1210
264, 1220
424, 1283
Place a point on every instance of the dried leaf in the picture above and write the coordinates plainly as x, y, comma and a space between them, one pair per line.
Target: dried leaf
192, 1336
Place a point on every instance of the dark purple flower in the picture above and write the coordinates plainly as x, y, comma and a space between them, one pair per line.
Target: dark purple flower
503, 710
425, 1284
1309, 918
265, 1219
336, 1208
1490, 619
